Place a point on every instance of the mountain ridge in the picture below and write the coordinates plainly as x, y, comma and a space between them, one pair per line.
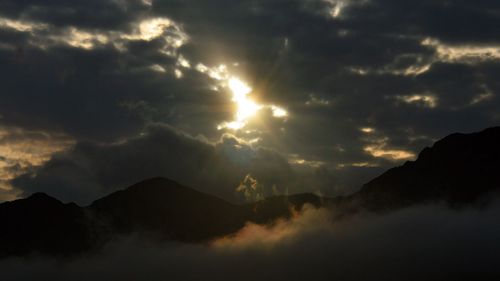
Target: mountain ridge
459, 169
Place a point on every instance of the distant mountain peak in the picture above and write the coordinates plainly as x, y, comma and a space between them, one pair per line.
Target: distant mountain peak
156, 181
40, 196
156, 191
38, 199
457, 169
153, 185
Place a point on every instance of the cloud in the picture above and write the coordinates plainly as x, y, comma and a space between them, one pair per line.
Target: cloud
467, 53
21, 26
424, 100
21, 151
42, 35
280, 232
90, 170
420, 243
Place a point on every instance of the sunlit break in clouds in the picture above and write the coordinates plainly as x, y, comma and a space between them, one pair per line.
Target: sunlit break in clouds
245, 107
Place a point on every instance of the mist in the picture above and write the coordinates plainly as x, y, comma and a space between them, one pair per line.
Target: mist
429, 242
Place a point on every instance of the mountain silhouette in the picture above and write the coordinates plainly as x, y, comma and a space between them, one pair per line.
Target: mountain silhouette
43, 224
173, 211
169, 209
459, 169
160, 208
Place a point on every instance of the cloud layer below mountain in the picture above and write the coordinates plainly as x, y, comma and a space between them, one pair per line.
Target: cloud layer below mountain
421, 243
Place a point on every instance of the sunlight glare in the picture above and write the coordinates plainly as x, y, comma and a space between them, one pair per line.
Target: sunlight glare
246, 108
278, 112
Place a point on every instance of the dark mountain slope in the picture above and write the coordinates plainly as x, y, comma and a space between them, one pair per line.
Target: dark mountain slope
159, 208
169, 209
43, 224
459, 169
173, 211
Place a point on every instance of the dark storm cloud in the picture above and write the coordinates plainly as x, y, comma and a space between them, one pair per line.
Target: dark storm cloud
90, 169
82, 78
383, 36
93, 14
413, 72
50, 93
92, 94
420, 243
452, 21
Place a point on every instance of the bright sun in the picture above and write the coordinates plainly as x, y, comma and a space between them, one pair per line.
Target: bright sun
246, 108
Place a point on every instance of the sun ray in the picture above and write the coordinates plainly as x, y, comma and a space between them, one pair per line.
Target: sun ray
246, 108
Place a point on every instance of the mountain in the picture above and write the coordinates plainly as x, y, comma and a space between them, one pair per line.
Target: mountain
173, 211
459, 169
158, 208
43, 224
169, 209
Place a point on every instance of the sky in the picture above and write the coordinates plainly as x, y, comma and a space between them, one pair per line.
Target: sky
241, 99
